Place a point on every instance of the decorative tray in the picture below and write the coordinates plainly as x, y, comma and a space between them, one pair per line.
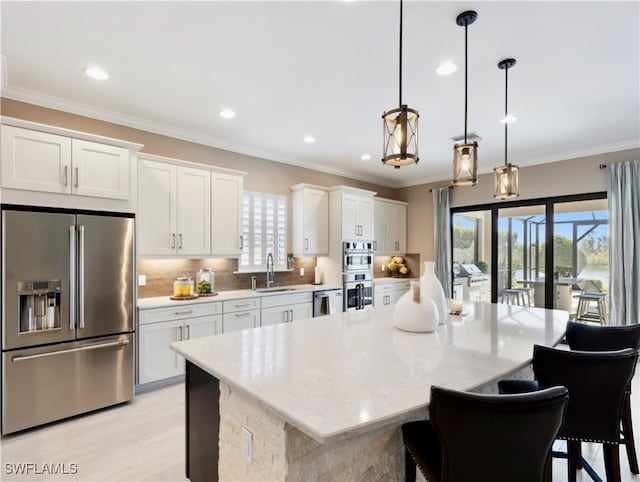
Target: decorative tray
215, 293
183, 298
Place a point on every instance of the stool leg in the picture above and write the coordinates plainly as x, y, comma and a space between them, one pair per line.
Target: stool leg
611, 454
627, 430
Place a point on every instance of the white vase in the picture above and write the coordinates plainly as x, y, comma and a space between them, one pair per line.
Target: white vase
418, 317
430, 287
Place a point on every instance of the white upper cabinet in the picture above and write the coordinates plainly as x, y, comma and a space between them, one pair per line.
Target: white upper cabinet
99, 170
351, 212
193, 199
50, 166
187, 209
390, 227
226, 213
310, 216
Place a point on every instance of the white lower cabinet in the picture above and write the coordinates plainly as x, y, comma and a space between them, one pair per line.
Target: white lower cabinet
162, 326
240, 320
286, 308
390, 292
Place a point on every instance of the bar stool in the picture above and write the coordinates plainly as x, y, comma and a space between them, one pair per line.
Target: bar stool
517, 296
599, 314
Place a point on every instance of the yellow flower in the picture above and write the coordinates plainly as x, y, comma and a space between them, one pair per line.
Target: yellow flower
403, 269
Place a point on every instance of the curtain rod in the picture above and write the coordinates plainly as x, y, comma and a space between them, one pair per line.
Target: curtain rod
451, 186
603, 166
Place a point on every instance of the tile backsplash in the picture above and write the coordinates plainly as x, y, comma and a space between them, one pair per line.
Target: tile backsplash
160, 274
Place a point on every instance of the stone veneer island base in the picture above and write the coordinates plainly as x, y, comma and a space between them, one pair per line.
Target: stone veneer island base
324, 398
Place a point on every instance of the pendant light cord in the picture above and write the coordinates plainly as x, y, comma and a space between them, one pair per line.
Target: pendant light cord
466, 26
506, 124
400, 96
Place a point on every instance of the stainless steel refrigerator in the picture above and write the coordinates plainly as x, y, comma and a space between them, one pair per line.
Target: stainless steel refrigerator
68, 297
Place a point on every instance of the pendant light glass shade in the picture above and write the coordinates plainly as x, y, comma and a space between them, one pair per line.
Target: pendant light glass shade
506, 176
400, 128
400, 137
506, 181
465, 164
465, 156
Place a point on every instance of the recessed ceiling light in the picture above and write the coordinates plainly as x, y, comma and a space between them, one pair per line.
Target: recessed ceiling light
309, 139
508, 119
446, 68
96, 73
227, 113
365, 157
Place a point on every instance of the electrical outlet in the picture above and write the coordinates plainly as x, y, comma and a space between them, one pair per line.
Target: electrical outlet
142, 280
382, 267
301, 271
246, 447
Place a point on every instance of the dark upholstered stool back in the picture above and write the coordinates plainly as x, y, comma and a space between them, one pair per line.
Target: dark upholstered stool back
496, 437
585, 337
596, 382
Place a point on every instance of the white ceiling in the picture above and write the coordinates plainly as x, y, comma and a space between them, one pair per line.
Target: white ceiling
331, 68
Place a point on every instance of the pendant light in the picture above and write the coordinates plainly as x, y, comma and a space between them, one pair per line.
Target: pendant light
465, 156
400, 128
506, 176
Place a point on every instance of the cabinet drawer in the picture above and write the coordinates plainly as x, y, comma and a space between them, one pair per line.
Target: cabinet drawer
286, 300
403, 286
383, 288
179, 312
240, 305
240, 320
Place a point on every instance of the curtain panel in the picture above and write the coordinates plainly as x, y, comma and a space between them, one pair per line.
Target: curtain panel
623, 192
442, 237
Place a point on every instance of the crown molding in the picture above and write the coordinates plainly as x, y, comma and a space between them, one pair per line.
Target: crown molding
86, 110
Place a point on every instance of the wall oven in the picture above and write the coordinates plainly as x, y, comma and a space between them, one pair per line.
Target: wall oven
357, 256
358, 291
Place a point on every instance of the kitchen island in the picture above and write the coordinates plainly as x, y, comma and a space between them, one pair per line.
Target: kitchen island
324, 398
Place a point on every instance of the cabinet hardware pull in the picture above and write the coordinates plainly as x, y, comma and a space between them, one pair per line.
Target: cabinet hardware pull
76, 177
180, 237
183, 312
173, 241
188, 328
286, 316
291, 311
180, 335
306, 243
66, 171
242, 305
241, 242
243, 315
375, 246
118, 343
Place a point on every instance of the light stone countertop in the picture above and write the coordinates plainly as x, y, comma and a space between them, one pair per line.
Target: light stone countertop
393, 280
164, 301
342, 375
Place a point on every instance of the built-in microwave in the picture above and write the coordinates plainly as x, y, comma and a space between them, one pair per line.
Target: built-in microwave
357, 256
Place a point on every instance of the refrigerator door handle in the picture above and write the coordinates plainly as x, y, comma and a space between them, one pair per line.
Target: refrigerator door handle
118, 343
72, 277
81, 277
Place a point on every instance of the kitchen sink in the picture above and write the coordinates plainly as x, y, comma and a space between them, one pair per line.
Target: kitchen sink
273, 290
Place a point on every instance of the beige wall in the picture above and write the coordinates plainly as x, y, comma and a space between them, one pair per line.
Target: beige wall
561, 178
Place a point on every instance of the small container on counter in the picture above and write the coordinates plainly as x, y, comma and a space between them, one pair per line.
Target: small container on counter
205, 281
182, 287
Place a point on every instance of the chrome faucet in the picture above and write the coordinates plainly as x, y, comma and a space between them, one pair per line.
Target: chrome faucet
270, 273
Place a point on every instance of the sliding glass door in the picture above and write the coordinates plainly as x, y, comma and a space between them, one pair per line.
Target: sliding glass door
543, 253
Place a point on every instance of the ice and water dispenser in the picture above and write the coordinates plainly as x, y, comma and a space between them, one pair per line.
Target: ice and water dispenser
39, 305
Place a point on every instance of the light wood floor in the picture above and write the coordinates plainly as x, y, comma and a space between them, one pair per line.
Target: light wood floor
144, 441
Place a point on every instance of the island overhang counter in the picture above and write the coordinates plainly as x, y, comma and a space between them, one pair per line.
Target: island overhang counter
324, 398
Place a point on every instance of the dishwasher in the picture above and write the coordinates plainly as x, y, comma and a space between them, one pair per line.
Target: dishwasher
327, 302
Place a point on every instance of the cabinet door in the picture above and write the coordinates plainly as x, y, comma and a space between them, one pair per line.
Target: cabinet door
35, 161
301, 311
364, 217
100, 170
397, 221
202, 326
157, 215
157, 360
240, 320
274, 315
226, 214
380, 227
315, 222
193, 211
350, 229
